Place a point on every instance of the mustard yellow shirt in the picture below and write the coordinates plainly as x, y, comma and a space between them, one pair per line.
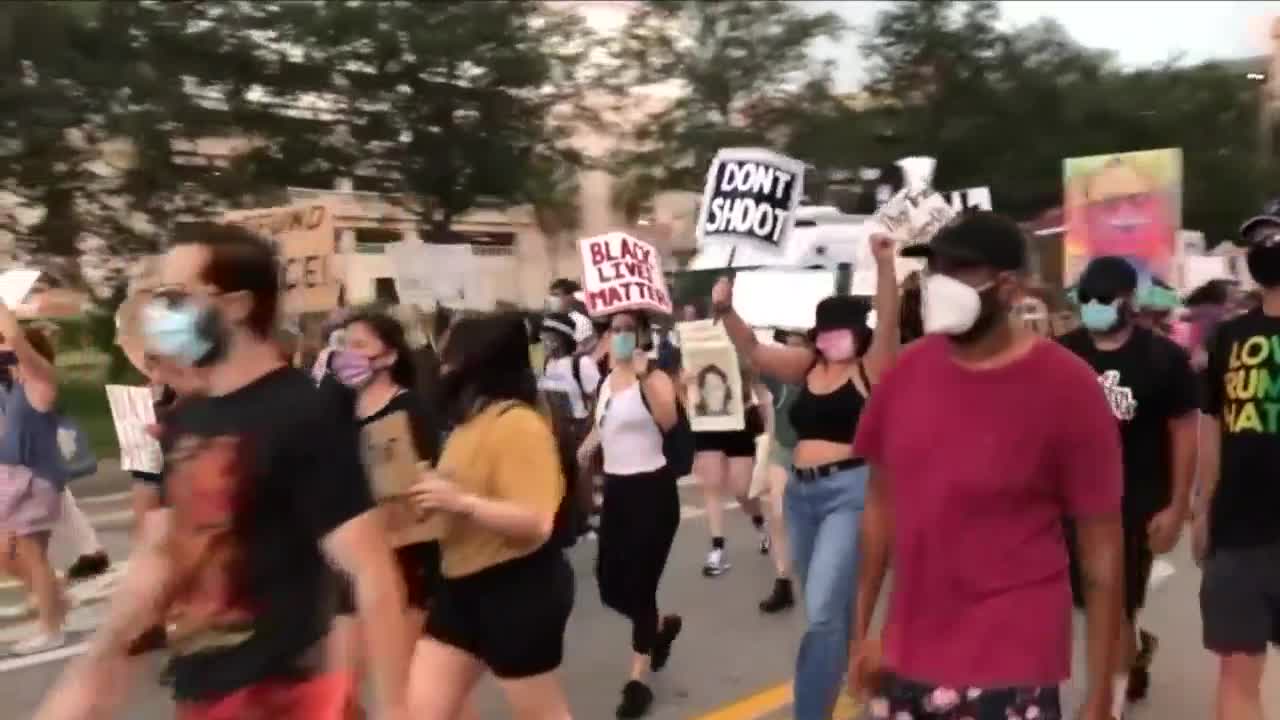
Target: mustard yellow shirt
507, 453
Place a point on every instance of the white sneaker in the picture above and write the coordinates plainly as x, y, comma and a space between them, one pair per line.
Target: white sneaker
36, 644
765, 543
715, 565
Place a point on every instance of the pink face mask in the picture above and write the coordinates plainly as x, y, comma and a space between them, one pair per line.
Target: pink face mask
835, 345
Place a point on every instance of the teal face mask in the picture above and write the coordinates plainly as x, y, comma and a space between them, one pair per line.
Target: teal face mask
1098, 317
622, 345
180, 331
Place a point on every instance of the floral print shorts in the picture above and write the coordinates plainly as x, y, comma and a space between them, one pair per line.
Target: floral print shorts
898, 699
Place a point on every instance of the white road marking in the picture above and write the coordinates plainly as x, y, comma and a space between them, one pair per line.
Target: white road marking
62, 653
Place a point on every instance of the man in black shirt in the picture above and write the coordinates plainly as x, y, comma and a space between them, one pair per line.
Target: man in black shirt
1152, 391
1235, 522
262, 485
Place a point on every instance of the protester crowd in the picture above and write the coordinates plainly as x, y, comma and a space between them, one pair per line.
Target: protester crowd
999, 474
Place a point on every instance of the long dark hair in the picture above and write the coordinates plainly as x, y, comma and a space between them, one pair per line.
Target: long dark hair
391, 334
487, 361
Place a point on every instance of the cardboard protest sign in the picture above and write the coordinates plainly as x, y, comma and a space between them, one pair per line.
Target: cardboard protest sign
916, 212
781, 298
392, 464
621, 272
1200, 269
713, 378
306, 239
132, 412
974, 198
427, 275
15, 286
750, 197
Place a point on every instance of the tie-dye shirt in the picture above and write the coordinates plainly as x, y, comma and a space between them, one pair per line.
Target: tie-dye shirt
1244, 394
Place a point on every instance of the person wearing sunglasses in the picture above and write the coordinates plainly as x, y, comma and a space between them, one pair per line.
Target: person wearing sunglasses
1153, 395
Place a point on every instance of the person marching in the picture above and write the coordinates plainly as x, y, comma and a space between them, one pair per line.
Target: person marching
1154, 397
1236, 536
259, 496
375, 363
641, 509
507, 589
827, 481
724, 459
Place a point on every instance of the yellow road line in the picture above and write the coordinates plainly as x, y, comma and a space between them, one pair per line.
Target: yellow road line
754, 706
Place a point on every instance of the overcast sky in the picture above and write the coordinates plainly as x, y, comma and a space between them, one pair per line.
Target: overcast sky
1140, 33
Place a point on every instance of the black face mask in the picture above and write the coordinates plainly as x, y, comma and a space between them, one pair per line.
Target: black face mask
1264, 264
993, 312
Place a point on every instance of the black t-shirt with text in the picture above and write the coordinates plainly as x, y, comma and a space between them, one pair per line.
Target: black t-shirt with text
1148, 381
255, 479
1244, 394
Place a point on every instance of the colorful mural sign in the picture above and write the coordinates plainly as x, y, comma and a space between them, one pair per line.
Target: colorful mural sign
1127, 204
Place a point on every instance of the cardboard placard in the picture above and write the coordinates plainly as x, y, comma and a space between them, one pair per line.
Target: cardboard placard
750, 196
427, 275
913, 219
392, 464
714, 380
306, 239
621, 272
132, 412
781, 298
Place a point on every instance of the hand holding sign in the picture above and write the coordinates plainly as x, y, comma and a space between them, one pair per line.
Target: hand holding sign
751, 196
882, 248
722, 295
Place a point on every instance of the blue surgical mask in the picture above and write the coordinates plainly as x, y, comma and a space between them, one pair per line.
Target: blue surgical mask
1097, 317
622, 345
174, 330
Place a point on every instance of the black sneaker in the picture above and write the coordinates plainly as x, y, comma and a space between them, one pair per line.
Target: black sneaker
667, 634
88, 566
782, 598
636, 700
1140, 673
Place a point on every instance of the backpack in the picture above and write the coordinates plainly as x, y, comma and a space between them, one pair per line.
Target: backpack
571, 520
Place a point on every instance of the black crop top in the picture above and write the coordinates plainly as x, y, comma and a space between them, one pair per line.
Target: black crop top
832, 416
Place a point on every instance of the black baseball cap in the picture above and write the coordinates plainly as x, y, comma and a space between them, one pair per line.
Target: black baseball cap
982, 238
1251, 229
1107, 277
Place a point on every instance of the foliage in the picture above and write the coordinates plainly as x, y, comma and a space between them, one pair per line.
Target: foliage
735, 72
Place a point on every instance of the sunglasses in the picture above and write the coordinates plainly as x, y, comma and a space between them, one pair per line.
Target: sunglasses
1100, 298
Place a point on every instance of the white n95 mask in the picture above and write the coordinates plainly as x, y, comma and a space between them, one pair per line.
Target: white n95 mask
949, 306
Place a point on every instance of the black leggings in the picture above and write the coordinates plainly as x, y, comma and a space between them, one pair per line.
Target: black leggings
638, 523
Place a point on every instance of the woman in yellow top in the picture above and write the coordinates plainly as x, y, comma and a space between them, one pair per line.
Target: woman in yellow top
507, 589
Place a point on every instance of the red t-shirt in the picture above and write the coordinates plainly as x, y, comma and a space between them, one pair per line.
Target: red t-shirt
982, 466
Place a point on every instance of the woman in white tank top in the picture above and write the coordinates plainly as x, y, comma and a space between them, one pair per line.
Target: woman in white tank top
641, 509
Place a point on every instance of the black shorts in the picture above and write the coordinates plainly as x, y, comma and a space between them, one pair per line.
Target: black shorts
420, 568
512, 616
1240, 599
733, 443
146, 479
896, 697
1138, 560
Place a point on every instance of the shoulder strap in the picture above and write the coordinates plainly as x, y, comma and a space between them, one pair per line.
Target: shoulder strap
577, 373
862, 373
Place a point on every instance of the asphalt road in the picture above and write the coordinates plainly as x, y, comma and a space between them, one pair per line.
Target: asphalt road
731, 663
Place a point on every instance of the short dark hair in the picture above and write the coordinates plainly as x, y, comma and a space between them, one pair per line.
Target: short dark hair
391, 334
239, 261
488, 361
565, 285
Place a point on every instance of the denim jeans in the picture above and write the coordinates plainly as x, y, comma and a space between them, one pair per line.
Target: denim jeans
823, 516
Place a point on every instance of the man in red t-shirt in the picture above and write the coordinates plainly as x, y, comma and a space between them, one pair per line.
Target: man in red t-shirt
980, 440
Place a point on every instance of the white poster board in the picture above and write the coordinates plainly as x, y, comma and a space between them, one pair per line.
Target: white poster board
429, 274
714, 380
781, 298
974, 198
15, 286
750, 197
1200, 269
132, 412
621, 272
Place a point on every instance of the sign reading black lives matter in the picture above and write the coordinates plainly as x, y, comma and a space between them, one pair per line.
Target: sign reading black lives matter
751, 196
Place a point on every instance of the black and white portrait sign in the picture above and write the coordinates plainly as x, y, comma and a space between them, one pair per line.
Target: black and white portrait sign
751, 197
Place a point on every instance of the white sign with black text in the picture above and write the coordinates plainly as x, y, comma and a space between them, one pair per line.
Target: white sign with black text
751, 197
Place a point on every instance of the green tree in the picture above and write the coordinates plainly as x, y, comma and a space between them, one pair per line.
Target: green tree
736, 71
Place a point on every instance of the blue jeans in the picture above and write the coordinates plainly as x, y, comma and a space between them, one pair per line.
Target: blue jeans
823, 516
